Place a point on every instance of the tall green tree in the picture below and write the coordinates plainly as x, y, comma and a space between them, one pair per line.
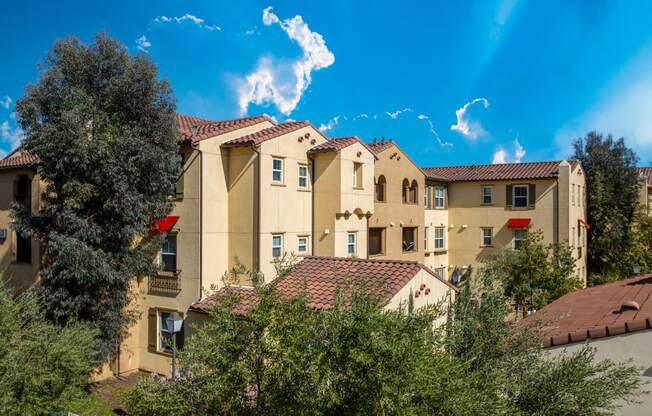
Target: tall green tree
612, 192
103, 127
43, 367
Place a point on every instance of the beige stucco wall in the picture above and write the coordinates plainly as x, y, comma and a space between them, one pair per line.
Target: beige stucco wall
622, 348
393, 214
436, 217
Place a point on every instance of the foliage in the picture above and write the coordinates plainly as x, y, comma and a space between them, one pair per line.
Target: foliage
42, 366
536, 273
612, 190
103, 127
91, 405
639, 247
284, 357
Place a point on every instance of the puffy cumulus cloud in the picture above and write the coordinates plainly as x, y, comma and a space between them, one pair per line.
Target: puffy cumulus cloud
197, 21
330, 124
395, 114
283, 83
503, 156
143, 44
465, 126
433, 131
6, 102
11, 136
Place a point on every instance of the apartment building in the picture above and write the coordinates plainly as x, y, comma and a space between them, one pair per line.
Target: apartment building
435, 232
396, 229
492, 206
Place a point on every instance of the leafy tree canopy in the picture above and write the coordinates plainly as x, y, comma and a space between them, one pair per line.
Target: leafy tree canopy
103, 126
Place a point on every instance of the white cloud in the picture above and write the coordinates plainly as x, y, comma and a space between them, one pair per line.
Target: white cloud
143, 44
433, 131
330, 124
394, 114
283, 83
6, 102
502, 156
10, 135
198, 21
465, 126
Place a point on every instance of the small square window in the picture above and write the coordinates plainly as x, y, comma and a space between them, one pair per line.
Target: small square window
487, 197
277, 170
519, 236
303, 176
487, 236
520, 196
351, 244
277, 246
302, 247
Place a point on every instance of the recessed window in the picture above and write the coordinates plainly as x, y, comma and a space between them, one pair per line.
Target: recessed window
357, 175
277, 170
425, 238
406, 190
376, 241
23, 249
487, 197
22, 190
302, 247
381, 188
440, 199
414, 192
520, 196
440, 272
440, 242
166, 333
303, 176
169, 253
409, 238
487, 236
351, 244
277, 246
519, 236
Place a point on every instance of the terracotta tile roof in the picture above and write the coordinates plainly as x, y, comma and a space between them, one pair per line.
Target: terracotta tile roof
321, 277
338, 143
597, 312
18, 159
497, 172
267, 134
196, 129
378, 146
646, 172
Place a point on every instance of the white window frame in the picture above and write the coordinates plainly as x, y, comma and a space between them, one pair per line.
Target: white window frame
439, 241
278, 246
304, 177
305, 245
527, 196
484, 236
163, 253
484, 194
440, 200
277, 170
425, 238
426, 197
520, 240
351, 246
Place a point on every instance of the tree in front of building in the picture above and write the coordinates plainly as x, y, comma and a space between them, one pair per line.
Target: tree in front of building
536, 273
43, 367
284, 357
639, 248
103, 128
612, 194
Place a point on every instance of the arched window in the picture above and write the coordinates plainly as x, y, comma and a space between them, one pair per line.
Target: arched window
406, 191
414, 190
381, 188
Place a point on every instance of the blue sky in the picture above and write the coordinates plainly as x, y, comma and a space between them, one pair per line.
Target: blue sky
451, 82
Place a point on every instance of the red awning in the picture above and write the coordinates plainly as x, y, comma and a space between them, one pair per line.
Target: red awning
518, 223
164, 225
585, 224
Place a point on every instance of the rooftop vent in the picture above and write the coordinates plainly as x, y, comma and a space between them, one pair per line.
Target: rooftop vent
630, 305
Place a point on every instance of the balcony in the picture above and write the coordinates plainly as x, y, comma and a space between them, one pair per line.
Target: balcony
165, 283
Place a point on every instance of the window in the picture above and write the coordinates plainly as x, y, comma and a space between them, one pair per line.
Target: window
439, 238
409, 238
426, 195
169, 253
573, 194
425, 238
303, 176
520, 196
440, 272
22, 190
277, 170
166, 333
380, 188
487, 197
487, 236
277, 246
439, 197
357, 175
302, 247
376, 241
519, 236
406, 190
414, 194
350, 244
23, 249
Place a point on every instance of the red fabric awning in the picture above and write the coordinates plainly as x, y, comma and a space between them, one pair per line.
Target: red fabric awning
585, 224
164, 225
518, 223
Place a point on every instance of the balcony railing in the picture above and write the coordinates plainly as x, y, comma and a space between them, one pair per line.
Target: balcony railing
165, 283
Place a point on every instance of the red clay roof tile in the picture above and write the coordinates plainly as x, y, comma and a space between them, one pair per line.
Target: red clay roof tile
266, 134
18, 159
500, 171
338, 143
196, 129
